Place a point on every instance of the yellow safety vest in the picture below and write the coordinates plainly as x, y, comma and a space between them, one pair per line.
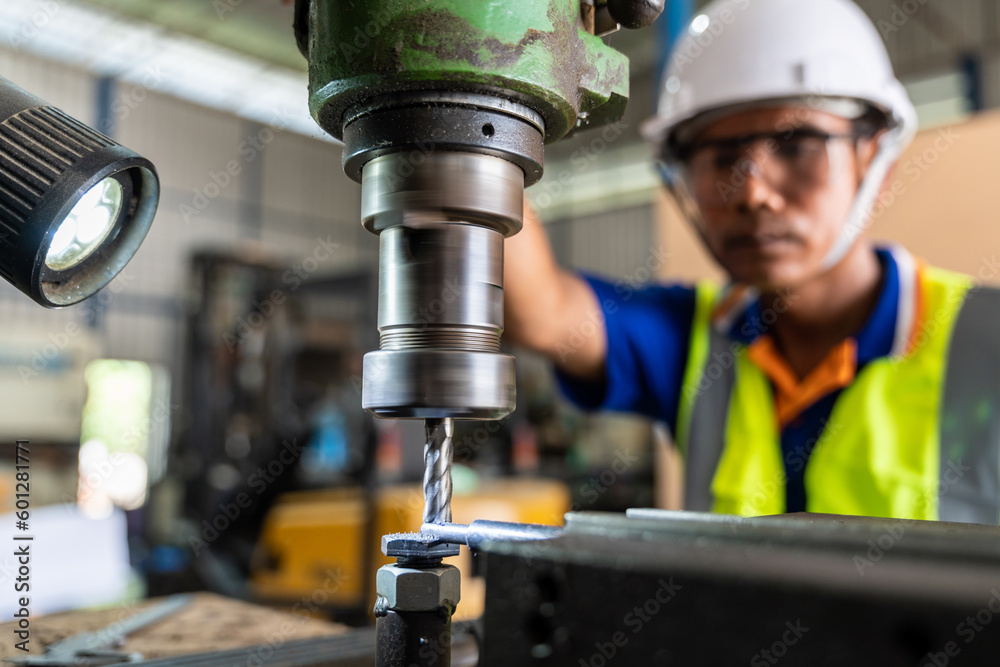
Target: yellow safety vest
914, 436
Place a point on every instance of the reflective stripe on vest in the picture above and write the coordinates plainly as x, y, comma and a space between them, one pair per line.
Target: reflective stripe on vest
708, 383
911, 437
970, 424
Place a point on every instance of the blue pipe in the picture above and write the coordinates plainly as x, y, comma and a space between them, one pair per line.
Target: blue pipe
679, 15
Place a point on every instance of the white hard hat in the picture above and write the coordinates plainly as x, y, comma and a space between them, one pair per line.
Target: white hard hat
746, 51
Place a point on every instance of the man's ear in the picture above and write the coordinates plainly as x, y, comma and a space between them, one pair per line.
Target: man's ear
867, 148
887, 181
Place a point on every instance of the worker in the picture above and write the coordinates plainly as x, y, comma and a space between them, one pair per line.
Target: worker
829, 375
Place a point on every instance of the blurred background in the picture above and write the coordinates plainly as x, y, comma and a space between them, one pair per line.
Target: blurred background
197, 424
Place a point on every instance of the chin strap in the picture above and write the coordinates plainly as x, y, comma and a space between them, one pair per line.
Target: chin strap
890, 146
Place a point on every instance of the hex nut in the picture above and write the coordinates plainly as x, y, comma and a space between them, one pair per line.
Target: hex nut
410, 589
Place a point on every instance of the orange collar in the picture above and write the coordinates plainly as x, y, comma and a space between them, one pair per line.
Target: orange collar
792, 396
839, 368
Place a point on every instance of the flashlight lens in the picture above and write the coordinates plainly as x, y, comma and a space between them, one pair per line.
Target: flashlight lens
86, 226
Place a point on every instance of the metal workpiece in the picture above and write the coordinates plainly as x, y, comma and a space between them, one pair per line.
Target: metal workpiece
418, 589
808, 589
416, 548
437, 470
533, 52
481, 532
425, 123
417, 186
440, 540
932, 540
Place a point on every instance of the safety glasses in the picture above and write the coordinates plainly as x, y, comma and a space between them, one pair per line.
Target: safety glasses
791, 162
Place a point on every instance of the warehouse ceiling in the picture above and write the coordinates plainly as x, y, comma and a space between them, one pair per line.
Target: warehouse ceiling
259, 28
263, 28
238, 56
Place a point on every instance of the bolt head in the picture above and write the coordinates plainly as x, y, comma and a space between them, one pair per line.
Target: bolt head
410, 589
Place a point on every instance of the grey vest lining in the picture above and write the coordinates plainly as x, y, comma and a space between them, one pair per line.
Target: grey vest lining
707, 432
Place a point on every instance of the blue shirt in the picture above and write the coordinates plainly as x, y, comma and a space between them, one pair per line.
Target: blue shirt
648, 334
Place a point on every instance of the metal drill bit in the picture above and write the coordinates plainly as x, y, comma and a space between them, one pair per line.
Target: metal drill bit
437, 470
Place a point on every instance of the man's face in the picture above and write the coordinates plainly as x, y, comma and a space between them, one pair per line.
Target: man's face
774, 204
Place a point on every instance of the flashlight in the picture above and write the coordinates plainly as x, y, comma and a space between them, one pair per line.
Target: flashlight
74, 204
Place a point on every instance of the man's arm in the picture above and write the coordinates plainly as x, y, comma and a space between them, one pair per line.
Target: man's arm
548, 309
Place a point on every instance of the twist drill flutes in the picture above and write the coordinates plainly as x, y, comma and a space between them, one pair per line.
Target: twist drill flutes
437, 470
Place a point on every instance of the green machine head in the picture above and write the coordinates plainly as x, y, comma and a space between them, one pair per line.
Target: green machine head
444, 107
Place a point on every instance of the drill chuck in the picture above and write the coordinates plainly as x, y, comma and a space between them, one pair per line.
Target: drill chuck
441, 224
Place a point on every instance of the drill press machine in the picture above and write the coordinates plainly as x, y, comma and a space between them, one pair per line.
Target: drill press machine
444, 107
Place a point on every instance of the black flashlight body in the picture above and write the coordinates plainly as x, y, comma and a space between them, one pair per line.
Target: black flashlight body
48, 161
